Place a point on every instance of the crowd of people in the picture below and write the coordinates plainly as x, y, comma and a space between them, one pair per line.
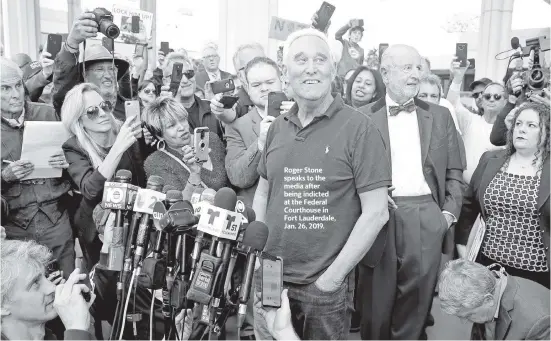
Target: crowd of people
406, 176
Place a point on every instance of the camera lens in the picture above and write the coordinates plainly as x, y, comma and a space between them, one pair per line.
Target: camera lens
112, 31
202, 145
536, 79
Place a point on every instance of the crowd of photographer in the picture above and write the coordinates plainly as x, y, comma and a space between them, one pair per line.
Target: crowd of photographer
404, 174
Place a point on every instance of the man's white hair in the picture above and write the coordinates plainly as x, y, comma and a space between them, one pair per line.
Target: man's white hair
335, 52
209, 45
242, 47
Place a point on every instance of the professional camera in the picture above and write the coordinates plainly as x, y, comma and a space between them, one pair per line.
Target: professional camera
535, 79
104, 19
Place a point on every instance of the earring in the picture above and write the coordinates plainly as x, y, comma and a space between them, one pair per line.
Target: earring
161, 145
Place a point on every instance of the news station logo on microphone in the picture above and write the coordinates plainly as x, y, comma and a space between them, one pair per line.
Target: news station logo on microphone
119, 196
219, 222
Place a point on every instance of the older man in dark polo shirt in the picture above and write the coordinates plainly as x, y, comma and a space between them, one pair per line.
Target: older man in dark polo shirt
322, 192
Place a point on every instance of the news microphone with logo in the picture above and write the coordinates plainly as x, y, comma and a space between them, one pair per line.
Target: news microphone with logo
207, 197
255, 239
118, 195
145, 201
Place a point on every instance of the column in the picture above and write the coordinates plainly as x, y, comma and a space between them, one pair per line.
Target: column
74, 11
20, 26
242, 22
151, 6
494, 37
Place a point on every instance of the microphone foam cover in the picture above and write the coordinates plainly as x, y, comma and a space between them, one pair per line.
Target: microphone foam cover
515, 43
250, 214
174, 196
208, 195
124, 174
225, 198
187, 205
256, 235
155, 181
167, 188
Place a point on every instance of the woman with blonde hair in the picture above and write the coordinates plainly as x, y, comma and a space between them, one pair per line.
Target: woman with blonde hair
100, 145
167, 120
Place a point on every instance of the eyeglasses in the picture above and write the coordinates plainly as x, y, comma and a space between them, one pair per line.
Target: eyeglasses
100, 70
93, 111
188, 73
497, 97
148, 91
475, 95
211, 56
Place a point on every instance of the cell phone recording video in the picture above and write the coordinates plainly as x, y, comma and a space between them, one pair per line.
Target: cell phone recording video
225, 85
53, 46
324, 15
275, 98
461, 53
272, 281
176, 77
51, 267
108, 43
201, 144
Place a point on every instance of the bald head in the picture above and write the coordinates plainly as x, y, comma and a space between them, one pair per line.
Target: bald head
401, 69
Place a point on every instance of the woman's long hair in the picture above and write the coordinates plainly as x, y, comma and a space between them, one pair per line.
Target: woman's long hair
380, 89
543, 113
72, 110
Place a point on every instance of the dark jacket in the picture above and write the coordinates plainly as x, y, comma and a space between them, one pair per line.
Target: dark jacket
442, 165
175, 175
26, 198
498, 136
205, 118
473, 202
244, 103
202, 77
89, 181
523, 312
67, 74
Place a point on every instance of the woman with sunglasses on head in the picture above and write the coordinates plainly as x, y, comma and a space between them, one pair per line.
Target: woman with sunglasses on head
364, 86
175, 160
510, 189
476, 129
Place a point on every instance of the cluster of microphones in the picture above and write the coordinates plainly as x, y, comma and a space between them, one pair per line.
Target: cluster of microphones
186, 248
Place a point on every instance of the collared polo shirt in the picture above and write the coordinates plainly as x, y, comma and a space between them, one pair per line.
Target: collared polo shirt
315, 175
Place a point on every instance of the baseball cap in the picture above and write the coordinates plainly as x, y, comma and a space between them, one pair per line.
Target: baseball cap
484, 81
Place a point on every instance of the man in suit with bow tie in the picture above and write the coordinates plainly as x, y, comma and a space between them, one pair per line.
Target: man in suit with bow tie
398, 275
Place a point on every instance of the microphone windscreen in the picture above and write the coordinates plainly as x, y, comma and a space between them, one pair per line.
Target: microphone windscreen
256, 235
515, 43
208, 195
173, 196
167, 188
225, 198
123, 174
187, 205
155, 182
250, 214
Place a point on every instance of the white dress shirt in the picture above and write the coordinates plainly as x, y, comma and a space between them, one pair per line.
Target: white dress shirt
214, 76
405, 150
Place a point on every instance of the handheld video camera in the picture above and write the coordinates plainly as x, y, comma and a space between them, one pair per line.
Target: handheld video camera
536, 79
104, 19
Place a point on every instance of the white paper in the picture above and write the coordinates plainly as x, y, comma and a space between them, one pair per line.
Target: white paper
41, 140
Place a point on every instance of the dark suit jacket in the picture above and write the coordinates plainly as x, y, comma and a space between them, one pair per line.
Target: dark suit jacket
242, 154
441, 159
523, 312
201, 78
473, 202
498, 136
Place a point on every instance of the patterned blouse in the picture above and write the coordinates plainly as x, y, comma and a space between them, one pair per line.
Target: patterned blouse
513, 236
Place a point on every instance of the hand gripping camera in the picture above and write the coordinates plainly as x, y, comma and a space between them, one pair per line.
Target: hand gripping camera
536, 79
104, 19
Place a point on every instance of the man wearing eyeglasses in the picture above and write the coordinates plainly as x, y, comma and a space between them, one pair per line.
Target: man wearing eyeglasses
36, 211
477, 87
476, 129
211, 62
99, 67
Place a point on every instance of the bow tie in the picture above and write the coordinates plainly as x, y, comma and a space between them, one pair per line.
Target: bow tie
396, 109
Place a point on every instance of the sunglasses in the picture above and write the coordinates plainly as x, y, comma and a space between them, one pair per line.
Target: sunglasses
148, 91
93, 111
497, 97
188, 73
475, 95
